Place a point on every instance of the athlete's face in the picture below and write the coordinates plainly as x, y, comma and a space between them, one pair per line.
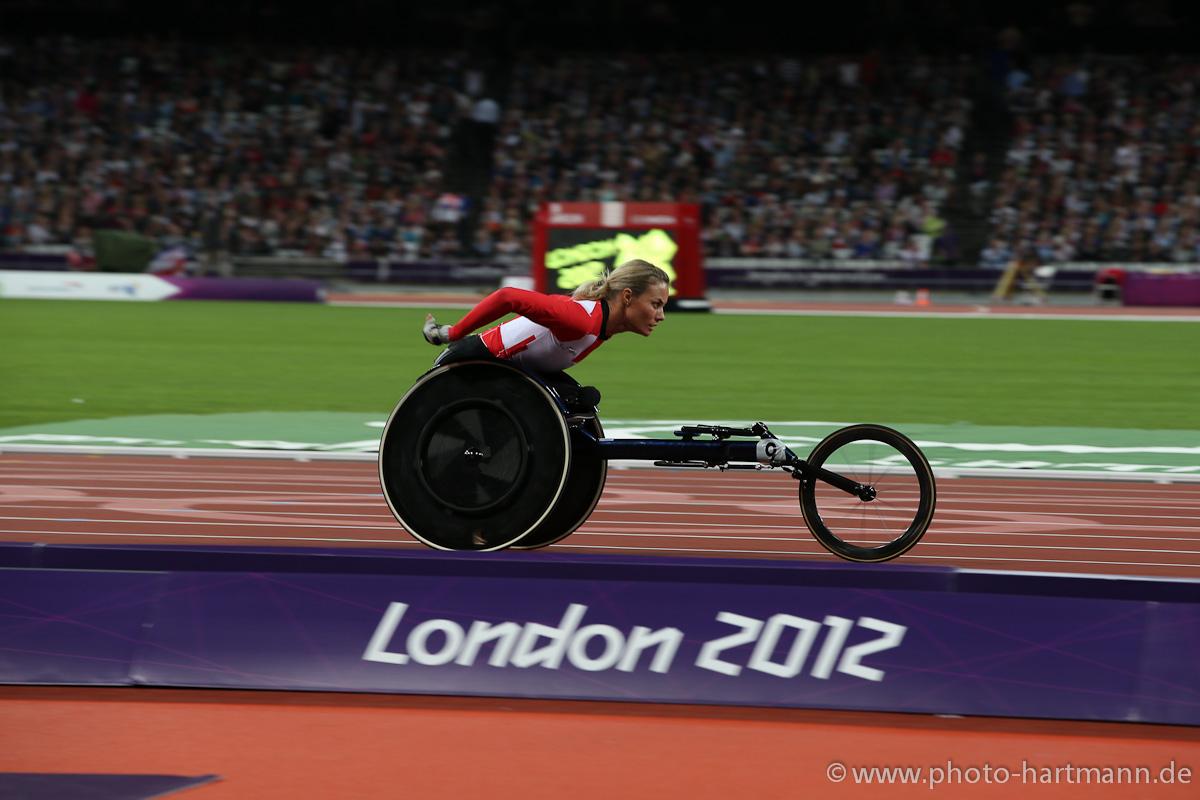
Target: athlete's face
644, 311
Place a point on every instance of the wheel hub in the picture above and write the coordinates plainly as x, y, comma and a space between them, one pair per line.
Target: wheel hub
472, 456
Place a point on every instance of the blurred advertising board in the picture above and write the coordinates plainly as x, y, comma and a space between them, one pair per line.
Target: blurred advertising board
575, 242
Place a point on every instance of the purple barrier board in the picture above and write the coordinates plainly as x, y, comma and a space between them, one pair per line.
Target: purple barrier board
1149, 289
870, 637
891, 650
290, 290
71, 626
964, 279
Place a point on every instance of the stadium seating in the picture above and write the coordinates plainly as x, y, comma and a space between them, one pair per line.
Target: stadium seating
326, 152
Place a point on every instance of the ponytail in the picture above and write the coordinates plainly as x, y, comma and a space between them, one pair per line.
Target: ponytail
593, 290
636, 274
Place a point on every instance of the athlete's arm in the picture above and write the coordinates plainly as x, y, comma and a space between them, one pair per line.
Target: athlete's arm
565, 318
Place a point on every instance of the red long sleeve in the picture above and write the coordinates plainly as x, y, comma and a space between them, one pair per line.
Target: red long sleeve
565, 318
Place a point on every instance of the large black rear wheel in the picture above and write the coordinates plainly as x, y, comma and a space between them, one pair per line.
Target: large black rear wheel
474, 456
585, 484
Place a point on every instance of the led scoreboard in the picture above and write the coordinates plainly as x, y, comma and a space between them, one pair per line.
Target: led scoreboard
575, 242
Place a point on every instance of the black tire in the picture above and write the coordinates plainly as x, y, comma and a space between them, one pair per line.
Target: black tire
880, 529
474, 456
585, 484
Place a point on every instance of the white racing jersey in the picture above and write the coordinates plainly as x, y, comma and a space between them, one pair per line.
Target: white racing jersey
552, 332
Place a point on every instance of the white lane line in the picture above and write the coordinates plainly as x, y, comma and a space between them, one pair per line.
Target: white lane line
905, 557
88, 515
223, 536
926, 542
240, 524
717, 500
107, 464
940, 522
1049, 518
210, 492
598, 530
286, 499
654, 493
950, 492
172, 469
945, 518
703, 494
1033, 490
723, 499
82, 512
1067, 484
253, 480
969, 311
700, 551
948, 314
948, 489
301, 473
203, 507
663, 478
1124, 473
1048, 527
932, 537
944, 487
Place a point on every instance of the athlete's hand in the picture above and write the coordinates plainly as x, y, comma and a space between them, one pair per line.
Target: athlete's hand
434, 333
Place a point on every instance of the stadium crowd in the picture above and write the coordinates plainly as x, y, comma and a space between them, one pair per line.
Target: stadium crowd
336, 153
224, 149
1102, 162
826, 158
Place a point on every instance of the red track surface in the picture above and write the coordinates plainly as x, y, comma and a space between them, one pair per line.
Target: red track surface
1108, 527
284, 746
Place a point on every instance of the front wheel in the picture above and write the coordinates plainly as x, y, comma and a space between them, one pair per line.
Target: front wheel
901, 509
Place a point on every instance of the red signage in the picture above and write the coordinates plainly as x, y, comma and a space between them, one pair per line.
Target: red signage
576, 242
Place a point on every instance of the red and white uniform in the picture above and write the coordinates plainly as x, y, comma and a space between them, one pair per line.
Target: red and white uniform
552, 333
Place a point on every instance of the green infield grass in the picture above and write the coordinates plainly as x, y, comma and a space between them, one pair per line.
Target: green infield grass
64, 360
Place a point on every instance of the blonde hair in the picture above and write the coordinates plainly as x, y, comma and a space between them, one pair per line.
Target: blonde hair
636, 274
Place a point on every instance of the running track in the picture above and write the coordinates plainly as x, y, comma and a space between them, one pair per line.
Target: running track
1103, 527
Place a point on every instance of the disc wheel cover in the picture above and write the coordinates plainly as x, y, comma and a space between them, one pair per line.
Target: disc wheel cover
474, 456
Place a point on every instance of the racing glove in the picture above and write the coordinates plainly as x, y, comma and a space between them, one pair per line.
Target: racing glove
434, 333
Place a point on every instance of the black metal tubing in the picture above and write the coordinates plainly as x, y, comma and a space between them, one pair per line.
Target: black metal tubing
838, 481
716, 452
712, 452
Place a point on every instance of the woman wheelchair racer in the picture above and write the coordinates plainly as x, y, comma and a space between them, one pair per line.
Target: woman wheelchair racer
555, 332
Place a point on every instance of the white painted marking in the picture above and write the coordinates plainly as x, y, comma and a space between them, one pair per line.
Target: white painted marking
948, 314
318, 539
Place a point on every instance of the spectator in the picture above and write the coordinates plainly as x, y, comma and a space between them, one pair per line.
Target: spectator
996, 255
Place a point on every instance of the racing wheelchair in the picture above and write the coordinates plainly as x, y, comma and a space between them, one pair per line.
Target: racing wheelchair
482, 455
